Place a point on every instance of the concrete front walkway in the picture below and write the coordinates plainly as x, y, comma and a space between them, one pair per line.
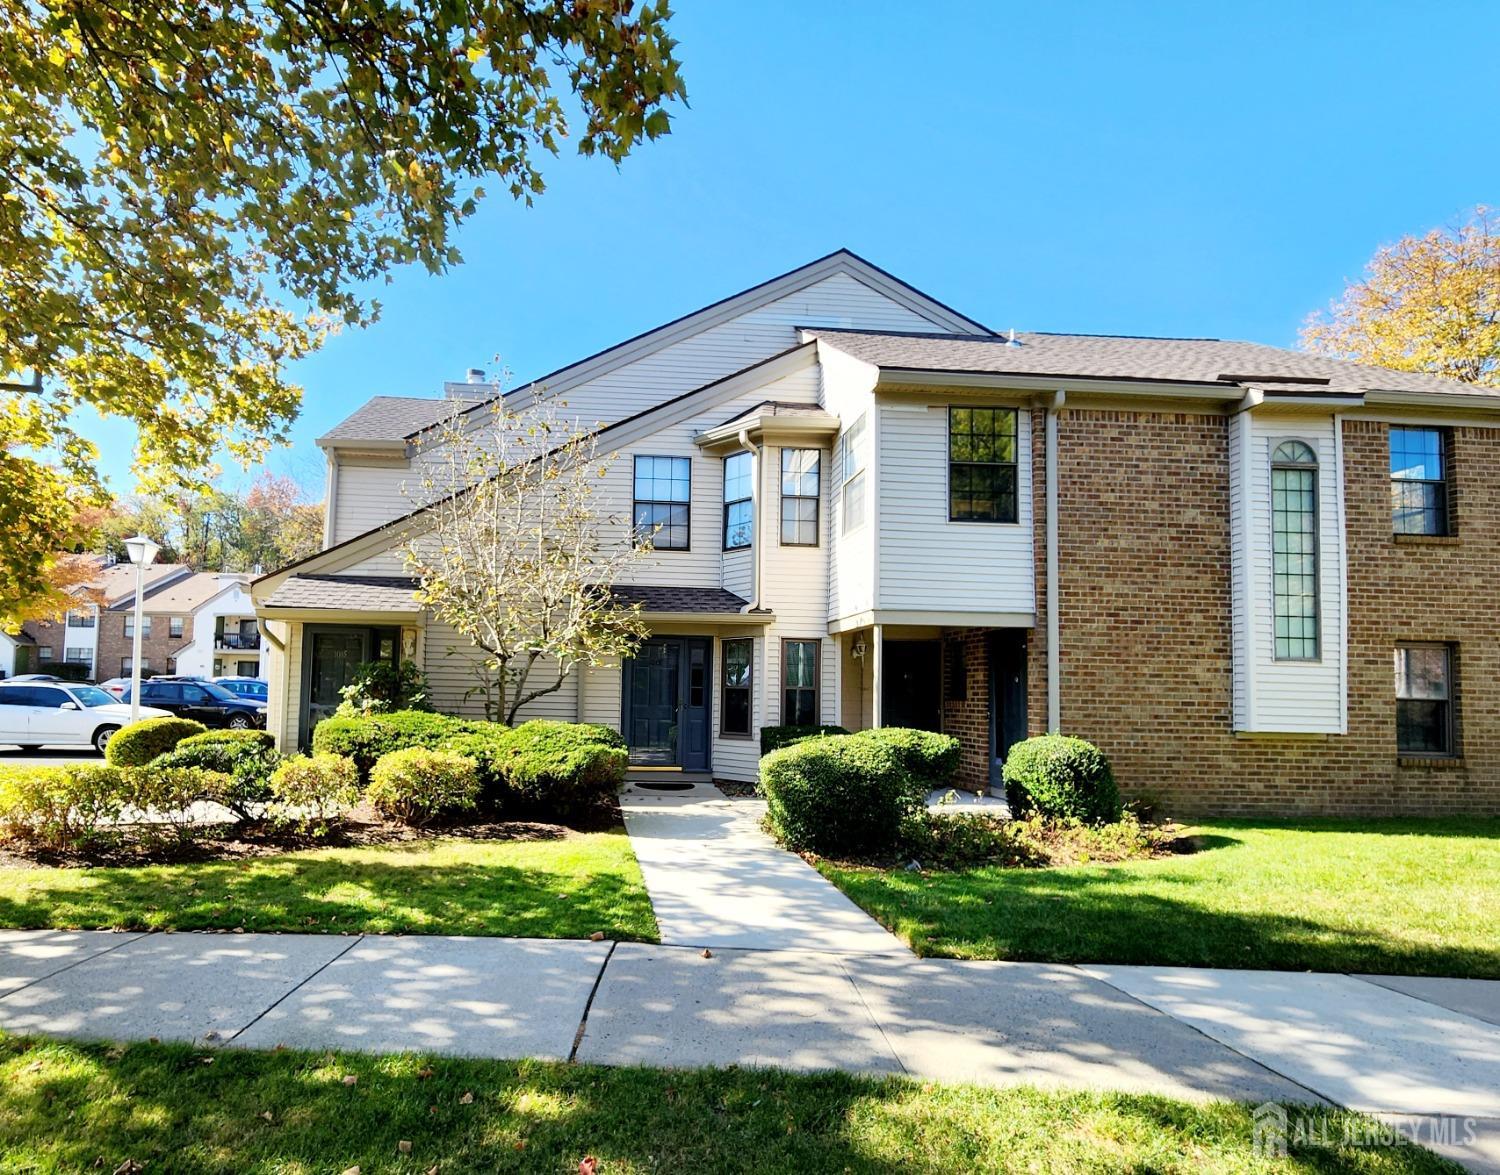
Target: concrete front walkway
717, 880
1399, 1049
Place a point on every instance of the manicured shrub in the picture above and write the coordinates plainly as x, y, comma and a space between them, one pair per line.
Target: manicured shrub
930, 757
486, 746
775, 737
366, 738
1058, 776
561, 768
417, 786
841, 796
313, 790
140, 742
247, 756
61, 806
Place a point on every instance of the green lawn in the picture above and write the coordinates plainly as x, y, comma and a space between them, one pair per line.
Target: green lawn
1411, 897
563, 888
69, 1107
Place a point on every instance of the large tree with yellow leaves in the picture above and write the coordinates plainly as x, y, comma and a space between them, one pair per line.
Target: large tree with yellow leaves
192, 194
1428, 303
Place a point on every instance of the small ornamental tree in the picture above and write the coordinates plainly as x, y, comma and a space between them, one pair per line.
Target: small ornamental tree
516, 551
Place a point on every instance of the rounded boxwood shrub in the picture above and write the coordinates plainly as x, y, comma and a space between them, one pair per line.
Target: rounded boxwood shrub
417, 786
841, 796
927, 755
365, 738
140, 742
486, 746
1058, 776
561, 768
773, 738
313, 790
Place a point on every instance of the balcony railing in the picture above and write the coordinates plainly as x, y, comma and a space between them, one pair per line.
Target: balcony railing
238, 640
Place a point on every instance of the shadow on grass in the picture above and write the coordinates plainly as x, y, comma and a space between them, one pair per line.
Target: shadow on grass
77, 1107
404, 890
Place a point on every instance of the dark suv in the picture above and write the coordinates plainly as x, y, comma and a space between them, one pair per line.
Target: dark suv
202, 701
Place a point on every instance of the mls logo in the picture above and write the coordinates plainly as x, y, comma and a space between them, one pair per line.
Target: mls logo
1268, 1135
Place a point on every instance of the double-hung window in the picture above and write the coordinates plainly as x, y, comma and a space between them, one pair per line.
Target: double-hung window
1294, 551
735, 692
738, 502
175, 626
1419, 481
663, 490
853, 471
130, 625
982, 464
1424, 700
800, 475
799, 683
80, 620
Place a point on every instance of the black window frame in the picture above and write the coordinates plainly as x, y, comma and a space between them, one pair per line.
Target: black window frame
748, 689
963, 470
788, 715
816, 498
1441, 505
1286, 459
686, 504
731, 503
1446, 707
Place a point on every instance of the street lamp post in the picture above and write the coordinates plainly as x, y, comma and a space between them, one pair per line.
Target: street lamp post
142, 552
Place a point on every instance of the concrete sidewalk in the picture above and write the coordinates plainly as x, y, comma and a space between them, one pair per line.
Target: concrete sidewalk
717, 880
1395, 1048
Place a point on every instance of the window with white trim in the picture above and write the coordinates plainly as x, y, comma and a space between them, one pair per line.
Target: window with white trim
799, 683
801, 473
175, 626
739, 527
853, 460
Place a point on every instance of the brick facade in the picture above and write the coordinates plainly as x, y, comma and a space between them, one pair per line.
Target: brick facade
158, 647
1144, 598
967, 718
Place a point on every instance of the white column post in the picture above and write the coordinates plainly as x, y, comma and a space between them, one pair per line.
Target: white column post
877, 653
135, 644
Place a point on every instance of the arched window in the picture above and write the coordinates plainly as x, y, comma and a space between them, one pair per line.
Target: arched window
1294, 550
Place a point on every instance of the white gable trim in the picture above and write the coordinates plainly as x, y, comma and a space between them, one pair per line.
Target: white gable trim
632, 349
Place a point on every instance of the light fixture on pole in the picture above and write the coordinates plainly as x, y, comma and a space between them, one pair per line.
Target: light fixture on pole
142, 552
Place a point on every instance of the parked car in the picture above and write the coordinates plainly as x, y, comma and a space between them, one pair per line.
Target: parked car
252, 688
34, 677
36, 713
115, 685
202, 701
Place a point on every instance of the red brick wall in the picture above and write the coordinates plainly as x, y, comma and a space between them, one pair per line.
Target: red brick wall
968, 719
1145, 610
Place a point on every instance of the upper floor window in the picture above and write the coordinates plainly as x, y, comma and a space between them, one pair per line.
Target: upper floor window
800, 475
44, 652
78, 656
663, 489
982, 464
130, 625
80, 620
853, 473
1419, 480
175, 626
738, 508
1424, 700
1294, 551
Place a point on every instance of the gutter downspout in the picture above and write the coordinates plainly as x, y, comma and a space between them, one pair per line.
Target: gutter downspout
750, 447
1054, 621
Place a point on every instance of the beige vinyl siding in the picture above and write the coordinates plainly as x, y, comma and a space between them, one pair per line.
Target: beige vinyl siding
847, 392
367, 496
284, 672
1295, 697
984, 566
451, 663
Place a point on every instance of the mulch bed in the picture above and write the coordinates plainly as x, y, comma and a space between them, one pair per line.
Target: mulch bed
363, 828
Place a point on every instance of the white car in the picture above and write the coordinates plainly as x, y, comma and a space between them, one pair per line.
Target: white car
35, 713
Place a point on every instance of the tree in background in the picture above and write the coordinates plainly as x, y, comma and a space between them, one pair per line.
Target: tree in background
192, 196
1428, 303
514, 549
269, 525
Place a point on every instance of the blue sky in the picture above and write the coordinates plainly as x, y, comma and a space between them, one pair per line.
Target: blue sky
1138, 169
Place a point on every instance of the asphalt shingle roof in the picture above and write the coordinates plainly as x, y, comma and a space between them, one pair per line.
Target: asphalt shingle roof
347, 593
391, 418
656, 598
1126, 357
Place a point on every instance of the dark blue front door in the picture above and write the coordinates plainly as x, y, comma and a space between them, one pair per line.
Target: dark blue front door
666, 691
